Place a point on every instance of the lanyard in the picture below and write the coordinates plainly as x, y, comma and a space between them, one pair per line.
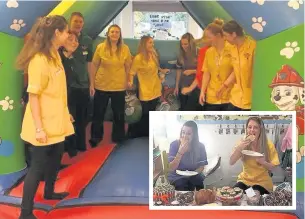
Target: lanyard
218, 61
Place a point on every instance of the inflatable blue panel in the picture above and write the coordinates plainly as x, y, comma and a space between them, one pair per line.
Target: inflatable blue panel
7, 181
17, 17
262, 19
8, 200
122, 177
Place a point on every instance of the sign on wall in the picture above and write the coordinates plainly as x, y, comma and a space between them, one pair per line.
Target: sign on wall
160, 21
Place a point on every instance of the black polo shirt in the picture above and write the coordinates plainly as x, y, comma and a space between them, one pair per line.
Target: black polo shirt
82, 55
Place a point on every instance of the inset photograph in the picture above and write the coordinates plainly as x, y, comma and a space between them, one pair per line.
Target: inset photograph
226, 160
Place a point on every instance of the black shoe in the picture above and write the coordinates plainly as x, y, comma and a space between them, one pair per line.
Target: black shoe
119, 142
27, 216
94, 142
41, 178
72, 153
56, 196
82, 149
63, 166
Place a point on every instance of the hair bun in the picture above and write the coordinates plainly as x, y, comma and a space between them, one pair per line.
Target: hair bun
218, 21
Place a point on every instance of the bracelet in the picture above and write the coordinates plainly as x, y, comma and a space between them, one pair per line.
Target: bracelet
179, 153
38, 130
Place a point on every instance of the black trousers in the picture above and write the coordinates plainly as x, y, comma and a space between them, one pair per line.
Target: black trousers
78, 101
189, 183
100, 103
231, 107
45, 160
259, 188
216, 107
27, 153
190, 102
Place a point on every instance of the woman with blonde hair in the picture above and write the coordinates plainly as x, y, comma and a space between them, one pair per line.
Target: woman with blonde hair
46, 122
111, 64
218, 75
242, 53
256, 170
186, 74
145, 66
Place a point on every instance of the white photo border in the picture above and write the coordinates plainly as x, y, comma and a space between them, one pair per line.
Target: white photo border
259, 113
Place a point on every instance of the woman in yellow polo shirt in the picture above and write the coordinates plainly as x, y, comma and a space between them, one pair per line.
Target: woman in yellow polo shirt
111, 64
218, 70
46, 122
146, 66
242, 54
256, 171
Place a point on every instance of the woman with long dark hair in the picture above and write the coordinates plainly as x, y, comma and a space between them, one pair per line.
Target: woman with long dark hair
256, 171
46, 122
186, 74
187, 153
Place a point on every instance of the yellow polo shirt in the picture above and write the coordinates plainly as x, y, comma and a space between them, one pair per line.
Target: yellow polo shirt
111, 74
255, 174
48, 81
220, 67
242, 60
149, 81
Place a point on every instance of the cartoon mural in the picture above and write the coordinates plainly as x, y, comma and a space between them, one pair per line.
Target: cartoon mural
288, 95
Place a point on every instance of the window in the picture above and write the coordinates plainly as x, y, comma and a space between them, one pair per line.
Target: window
160, 25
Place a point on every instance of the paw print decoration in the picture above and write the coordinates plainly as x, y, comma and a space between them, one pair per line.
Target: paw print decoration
258, 24
295, 4
17, 24
290, 49
6, 104
259, 2
12, 4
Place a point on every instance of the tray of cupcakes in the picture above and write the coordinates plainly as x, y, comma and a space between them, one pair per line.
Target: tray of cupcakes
229, 196
281, 196
185, 198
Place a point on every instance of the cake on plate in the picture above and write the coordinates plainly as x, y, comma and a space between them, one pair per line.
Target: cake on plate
228, 195
164, 193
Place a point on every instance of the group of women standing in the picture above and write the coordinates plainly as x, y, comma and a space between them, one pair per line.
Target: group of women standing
113, 74
224, 68
217, 77
222, 82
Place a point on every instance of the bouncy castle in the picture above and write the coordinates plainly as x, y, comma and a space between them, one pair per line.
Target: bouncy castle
112, 182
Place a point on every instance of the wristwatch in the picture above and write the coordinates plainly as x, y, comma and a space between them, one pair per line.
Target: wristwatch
38, 130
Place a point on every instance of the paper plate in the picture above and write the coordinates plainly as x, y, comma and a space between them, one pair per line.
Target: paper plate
186, 173
252, 153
